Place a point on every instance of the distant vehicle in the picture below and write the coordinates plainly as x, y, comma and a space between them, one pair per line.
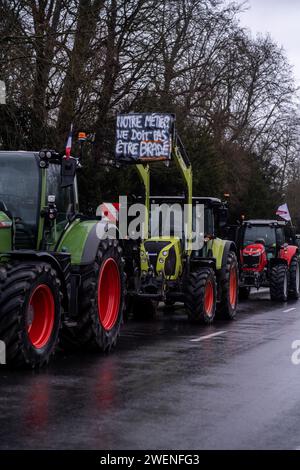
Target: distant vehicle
269, 257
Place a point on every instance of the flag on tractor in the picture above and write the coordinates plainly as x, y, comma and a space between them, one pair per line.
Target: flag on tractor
109, 211
69, 142
283, 212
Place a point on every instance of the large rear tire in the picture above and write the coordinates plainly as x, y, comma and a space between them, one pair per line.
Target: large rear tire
100, 302
294, 278
279, 283
227, 307
30, 313
201, 296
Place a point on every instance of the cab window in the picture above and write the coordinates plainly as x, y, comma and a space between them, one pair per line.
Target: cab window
208, 220
64, 197
258, 232
20, 192
280, 236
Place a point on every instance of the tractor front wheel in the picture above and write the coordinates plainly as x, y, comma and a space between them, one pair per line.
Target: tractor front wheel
30, 313
279, 283
227, 306
294, 278
201, 296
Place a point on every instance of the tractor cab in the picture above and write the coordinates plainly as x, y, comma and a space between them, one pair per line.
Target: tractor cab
215, 215
260, 241
28, 194
19, 196
269, 258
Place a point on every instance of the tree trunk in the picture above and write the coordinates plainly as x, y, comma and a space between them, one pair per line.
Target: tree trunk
88, 14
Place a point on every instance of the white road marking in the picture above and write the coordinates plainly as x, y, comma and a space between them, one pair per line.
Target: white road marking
289, 310
197, 340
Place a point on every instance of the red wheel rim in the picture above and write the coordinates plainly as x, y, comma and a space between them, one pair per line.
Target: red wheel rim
233, 287
109, 293
41, 313
209, 298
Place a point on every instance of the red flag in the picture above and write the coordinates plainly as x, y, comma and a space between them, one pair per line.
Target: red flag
109, 211
69, 142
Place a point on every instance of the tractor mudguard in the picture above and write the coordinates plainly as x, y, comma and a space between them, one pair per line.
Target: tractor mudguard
82, 239
228, 246
288, 253
221, 249
5, 233
276, 261
60, 262
91, 246
196, 263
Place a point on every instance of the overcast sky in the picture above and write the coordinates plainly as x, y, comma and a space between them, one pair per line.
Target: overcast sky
280, 18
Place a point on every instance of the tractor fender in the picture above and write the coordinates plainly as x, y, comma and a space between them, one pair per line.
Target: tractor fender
276, 261
228, 246
62, 271
288, 253
221, 249
196, 263
102, 230
90, 247
82, 239
6, 239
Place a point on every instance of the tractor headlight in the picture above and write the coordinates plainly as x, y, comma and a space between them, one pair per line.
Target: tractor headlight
165, 253
161, 260
46, 156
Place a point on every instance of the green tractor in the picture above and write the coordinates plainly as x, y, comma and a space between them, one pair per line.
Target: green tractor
60, 278
172, 267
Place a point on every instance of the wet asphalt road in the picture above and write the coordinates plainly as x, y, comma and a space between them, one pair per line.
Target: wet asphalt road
168, 385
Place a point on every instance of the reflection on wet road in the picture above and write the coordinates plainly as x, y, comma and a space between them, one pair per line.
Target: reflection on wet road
168, 385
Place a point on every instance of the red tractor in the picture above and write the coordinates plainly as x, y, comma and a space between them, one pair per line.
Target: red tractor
269, 257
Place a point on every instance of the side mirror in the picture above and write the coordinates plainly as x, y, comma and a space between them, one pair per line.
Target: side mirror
68, 171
